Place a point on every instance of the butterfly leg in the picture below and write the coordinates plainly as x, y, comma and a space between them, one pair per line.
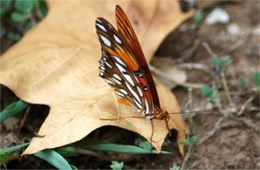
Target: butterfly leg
121, 118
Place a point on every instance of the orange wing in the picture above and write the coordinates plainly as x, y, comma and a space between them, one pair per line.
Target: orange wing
126, 29
123, 65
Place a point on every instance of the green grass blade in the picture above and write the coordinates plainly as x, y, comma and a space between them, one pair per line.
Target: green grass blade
67, 151
54, 158
14, 148
6, 153
12, 109
110, 147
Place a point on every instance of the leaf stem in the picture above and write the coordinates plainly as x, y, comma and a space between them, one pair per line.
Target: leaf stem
226, 89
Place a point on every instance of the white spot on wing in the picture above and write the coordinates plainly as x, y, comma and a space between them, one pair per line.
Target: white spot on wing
124, 91
121, 69
105, 40
129, 79
117, 77
102, 27
117, 39
119, 61
138, 104
133, 92
108, 81
102, 68
136, 78
108, 64
146, 106
119, 94
98, 20
139, 91
117, 81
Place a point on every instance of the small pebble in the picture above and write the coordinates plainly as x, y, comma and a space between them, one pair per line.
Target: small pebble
218, 15
233, 29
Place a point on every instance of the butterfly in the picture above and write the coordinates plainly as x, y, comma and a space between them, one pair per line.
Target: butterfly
124, 68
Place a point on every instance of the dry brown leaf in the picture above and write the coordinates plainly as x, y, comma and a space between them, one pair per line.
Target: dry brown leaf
56, 63
166, 72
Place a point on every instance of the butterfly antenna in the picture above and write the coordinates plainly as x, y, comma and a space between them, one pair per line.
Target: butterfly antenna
197, 111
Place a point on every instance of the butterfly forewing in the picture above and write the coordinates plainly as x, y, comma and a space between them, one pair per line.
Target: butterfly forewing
123, 65
126, 29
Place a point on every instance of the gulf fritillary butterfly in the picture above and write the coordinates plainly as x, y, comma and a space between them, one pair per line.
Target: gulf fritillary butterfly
123, 66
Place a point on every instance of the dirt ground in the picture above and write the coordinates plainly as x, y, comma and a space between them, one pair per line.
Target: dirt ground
235, 145
235, 141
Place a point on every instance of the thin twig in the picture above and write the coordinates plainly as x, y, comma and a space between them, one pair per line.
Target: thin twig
92, 153
23, 120
188, 53
188, 105
194, 66
187, 156
233, 47
207, 47
226, 89
213, 131
242, 39
242, 109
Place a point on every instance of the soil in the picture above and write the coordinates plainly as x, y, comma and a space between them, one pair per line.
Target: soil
235, 143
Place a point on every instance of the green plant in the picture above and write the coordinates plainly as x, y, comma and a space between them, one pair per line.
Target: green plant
175, 167
220, 62
242, 83
253, 87
210, 93
8, 154
55, 159
145, 145
67, 151
12, 109
28, 9
5, 5
111, 147
24, 13
116, 165
191, 141
197, 18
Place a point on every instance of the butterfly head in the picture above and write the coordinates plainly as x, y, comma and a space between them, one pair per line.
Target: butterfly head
163, 115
